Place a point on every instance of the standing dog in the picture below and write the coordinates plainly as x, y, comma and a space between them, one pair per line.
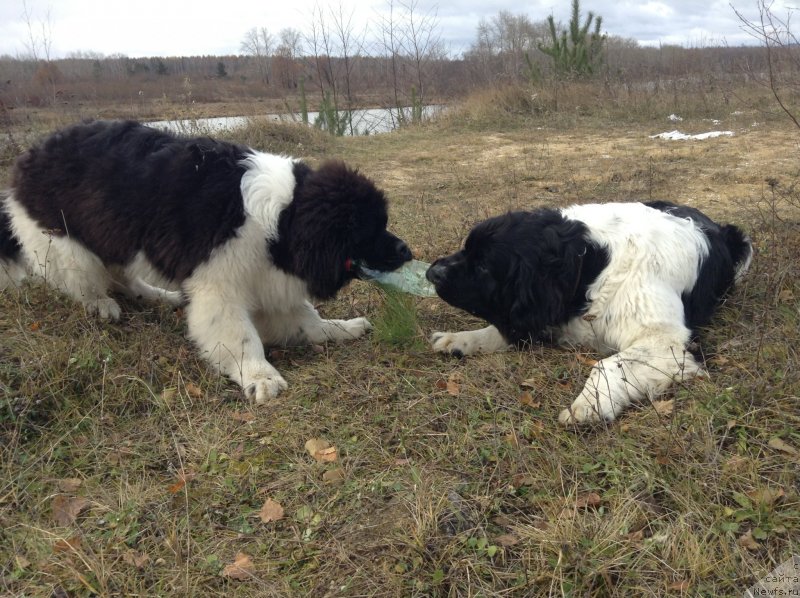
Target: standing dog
248, 238
632, 279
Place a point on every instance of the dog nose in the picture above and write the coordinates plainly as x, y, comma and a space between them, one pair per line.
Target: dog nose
403, 251
435, 273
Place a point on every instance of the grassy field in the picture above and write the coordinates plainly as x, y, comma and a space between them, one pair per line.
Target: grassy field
128, 468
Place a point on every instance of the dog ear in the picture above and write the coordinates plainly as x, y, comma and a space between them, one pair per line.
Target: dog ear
543, 290
323, 262
325, 216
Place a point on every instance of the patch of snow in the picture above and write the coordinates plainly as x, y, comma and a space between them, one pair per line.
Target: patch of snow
678, 136
674, 118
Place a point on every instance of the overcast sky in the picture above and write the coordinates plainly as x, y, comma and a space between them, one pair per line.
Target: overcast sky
216, 27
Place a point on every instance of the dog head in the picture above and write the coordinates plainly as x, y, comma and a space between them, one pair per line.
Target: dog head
339, 217
523, 272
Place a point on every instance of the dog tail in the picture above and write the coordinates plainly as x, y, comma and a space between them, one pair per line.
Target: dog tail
12, 267
740, 247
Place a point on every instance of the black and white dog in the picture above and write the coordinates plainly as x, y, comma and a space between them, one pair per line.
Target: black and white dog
248, 238
633, 280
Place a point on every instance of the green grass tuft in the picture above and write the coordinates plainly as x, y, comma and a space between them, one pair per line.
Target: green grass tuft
396, 323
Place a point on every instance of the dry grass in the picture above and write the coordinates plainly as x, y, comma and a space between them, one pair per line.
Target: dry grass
445, 490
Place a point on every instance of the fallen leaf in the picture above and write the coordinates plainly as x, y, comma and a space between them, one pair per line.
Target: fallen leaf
506, 539
65, 509
135, 559
441, 384
766, 496
169, 393
277, 354
67, 544
69, 485
522, 479
241, 568
316, 444
454, 384
512, 439
747, 541
328, 455
664, 408
21, 562
679, 586
403, 461
243, 416
333, 476
592, 499
193, 390
719, 360
636, 536
183, 478
779, 445
527, 400
321, 450
177, 486
271, 511
585, 360
529, 383
35, 326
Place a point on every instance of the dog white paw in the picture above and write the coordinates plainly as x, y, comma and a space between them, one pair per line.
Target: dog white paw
357, 327
454, 343
469, 342
588, 409
264, 389
105, 308
578, 414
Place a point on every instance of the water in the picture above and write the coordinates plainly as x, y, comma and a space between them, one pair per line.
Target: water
365, 122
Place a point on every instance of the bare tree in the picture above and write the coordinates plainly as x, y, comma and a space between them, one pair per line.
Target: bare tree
350, 47
319, 41
783, 52
502, 43
286, 54
259, 43
412, 40
40, 38
39, 45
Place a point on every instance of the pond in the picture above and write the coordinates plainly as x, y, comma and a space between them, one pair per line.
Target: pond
364, 122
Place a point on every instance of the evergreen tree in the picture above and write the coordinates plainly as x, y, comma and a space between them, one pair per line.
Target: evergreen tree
575, 51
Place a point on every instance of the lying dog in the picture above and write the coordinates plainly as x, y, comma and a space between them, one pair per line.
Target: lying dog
248, 238
632, 278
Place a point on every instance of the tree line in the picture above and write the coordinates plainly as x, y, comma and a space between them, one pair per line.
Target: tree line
405, 63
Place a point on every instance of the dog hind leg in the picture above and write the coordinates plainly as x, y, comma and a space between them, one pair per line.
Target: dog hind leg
636, 373
64, 264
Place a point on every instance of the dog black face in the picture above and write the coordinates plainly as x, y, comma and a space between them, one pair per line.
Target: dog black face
375, 246
475, 278
337, 217
523, 272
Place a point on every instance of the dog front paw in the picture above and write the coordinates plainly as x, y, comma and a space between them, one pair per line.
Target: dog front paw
453, 343
105, 308
577, 415
590, 408
357, 327
266, 388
